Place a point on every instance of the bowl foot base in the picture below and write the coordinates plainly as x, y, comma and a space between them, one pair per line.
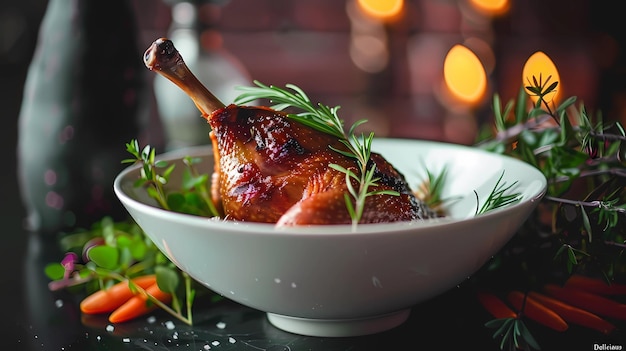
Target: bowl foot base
339, 327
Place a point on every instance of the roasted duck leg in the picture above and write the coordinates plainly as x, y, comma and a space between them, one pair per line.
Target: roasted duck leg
270, 168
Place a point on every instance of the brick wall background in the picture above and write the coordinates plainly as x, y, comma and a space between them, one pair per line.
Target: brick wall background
307, 42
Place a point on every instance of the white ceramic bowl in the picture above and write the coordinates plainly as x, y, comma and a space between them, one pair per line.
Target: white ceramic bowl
330, 280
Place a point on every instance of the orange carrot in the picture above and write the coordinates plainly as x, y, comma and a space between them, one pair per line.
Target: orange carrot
595, 285
588, 301
496, 307
537, 311
139, 305
107, 300
573, 314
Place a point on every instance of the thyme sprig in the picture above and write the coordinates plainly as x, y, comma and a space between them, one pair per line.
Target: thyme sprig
325, 119
193, 198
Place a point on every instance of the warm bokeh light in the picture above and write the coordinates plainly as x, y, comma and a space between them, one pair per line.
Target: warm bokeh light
539, 65
464, 75
382, 9
483, 50
369, 53
491, 7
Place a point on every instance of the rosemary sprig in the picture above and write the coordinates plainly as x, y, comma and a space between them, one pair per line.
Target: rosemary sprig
513, 334
430, 190
498, 197
325, 119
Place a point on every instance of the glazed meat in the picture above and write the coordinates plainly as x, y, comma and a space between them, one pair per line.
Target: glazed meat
275, 170
270, 168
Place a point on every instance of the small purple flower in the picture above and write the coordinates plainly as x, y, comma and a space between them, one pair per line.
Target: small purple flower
69, 263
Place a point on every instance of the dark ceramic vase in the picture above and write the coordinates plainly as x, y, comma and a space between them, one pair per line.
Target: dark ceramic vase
81, 105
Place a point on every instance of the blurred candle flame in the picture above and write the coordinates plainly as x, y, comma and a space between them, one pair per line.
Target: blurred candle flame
464, 75
541, 67
491, 7
382, 9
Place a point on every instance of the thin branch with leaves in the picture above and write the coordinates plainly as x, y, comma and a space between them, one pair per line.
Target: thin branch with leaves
580, 225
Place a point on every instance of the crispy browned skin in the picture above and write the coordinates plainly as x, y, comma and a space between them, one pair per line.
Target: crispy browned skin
275, 170
269, 168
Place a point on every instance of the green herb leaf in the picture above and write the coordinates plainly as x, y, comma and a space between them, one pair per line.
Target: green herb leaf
105, 256
54, 271
167, 279
498, 197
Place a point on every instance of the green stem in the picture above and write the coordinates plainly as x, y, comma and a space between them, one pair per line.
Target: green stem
189, 294
595, 204
204, 193
142, 291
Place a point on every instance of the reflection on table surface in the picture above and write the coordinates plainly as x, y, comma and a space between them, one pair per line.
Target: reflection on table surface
52, 321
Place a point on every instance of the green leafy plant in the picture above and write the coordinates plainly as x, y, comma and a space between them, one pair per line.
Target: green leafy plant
192, 197
111, 252
580, 225
588, 155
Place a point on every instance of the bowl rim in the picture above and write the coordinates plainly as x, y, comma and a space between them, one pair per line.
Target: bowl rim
257, 228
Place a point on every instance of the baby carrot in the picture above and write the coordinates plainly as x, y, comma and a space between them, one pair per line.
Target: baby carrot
107, 300
496, 307
537, 311
595, 285
139, 305
573, 314
589, 301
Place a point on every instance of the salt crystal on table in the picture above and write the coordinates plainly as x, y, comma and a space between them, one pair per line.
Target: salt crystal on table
215, 343
127, 340
221, 325
170, 325
110, 328
58, 303
151, 319
232, 340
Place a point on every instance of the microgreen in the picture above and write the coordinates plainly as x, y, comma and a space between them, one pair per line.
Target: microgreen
193, 197
125, 253
149, 174
325, 119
